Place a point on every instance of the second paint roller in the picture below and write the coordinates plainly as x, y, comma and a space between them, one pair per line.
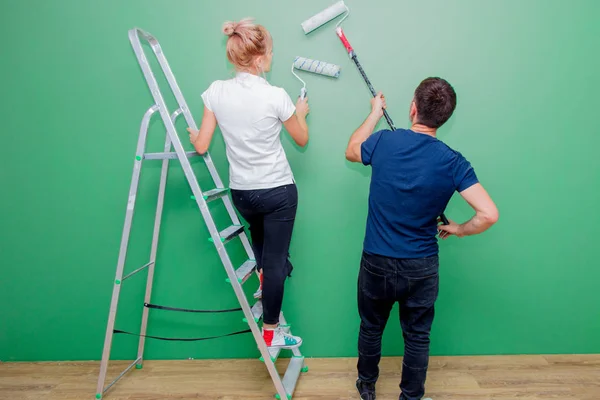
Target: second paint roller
316, 67
324, 17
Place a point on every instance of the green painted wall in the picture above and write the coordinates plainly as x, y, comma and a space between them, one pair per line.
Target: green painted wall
73, 96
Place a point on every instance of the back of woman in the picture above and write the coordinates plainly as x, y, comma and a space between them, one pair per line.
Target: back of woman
250, 113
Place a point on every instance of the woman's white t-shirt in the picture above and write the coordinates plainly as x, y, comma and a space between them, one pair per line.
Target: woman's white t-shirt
250, 112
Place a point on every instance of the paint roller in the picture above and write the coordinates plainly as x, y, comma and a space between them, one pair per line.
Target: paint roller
324, 17
316, 67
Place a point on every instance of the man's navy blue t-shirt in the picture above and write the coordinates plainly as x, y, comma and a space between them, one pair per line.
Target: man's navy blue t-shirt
414, 176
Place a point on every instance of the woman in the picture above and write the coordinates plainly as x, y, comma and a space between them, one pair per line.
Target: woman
250, 113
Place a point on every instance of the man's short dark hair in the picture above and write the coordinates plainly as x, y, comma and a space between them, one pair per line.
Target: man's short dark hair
436, 100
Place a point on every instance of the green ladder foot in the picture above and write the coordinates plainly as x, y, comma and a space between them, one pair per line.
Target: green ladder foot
304, 369
278, 397
98, 395
139, 366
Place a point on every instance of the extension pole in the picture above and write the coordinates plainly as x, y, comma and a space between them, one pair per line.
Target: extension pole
354, 58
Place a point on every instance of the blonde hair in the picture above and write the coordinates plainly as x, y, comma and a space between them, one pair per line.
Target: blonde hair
247, 41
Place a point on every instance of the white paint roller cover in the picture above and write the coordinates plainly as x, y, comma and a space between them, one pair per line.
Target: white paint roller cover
323, 17
317, 67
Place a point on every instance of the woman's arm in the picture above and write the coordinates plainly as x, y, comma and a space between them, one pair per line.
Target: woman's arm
296, 124
201, 138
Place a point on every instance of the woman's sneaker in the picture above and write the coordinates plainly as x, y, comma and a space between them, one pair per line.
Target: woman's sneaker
258, 293
279, 338
366, 390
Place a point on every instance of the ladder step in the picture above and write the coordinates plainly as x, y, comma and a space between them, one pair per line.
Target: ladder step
245, 271
257, 311
214, 194
169, 155
292, 373
230, 233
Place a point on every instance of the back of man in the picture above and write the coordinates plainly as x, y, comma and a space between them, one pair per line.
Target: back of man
414, 175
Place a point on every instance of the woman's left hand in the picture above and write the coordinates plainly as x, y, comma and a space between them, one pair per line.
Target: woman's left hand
193, 135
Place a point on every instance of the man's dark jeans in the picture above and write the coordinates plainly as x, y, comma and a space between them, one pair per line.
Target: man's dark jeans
414, 284
271, 214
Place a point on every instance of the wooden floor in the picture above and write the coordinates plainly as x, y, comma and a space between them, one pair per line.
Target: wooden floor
450, 378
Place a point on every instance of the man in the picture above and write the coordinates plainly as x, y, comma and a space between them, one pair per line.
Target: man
413, 178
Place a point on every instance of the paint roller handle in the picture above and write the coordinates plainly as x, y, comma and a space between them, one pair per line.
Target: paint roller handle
340, 32
372, 89
385, 113
373, 92
389, 120
303, 93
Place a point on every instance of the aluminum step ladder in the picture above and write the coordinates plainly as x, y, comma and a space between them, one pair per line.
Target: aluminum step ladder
236, 276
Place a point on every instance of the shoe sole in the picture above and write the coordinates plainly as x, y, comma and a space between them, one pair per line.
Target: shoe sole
286, 347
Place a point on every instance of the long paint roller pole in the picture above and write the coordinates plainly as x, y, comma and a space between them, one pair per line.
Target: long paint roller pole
352, 54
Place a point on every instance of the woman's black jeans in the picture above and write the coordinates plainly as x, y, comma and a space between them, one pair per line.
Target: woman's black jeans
414, 284
271, 214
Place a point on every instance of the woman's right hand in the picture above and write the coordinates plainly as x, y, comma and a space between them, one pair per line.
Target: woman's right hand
302, 108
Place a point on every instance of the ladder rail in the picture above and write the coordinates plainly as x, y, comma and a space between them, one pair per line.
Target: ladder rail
155, 236
134, 36
197, 192
135, 178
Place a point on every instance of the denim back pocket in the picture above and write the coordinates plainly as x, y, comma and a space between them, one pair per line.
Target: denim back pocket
423, 292
372, 281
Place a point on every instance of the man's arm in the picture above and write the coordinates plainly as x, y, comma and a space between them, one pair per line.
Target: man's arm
353, 151
486, 214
